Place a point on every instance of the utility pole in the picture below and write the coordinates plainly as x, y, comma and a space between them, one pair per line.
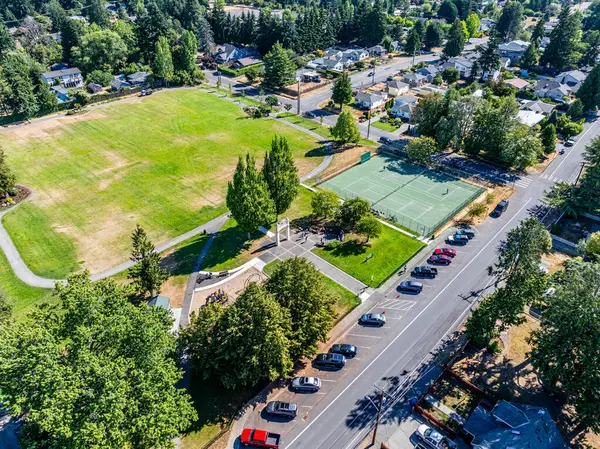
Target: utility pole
369, 124
298, 108
580, 173
378, 417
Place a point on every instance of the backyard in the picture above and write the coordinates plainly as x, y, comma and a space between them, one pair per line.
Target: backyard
162, 162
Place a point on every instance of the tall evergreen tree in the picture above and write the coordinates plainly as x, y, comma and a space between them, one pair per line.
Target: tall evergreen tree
6, 41
589, 91
413, 43
448, 11
538, 32
592, 43
163, 60
72, 32
434, 35
248, 196
147, 274
509, 23
279, 67
341, 92
489, 58
280, 174
531, 56
97, 13
456, 40
562, 52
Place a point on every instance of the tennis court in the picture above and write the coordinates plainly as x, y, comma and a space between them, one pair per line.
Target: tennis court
414, 197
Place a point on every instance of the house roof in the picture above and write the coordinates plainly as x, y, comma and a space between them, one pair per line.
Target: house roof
63, 72
512, 425
538, 106
514, 46
160, 301
413, 76
248, 61
377, 49
429, 70
137, 77
370, 97
396, 84
547, 85
94, 86
406, 99
60, 90
330, 62
118, 83
530, 118
577, 74
518, 83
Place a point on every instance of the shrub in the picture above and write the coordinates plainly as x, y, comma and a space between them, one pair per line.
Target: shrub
477, 210
556, 229
333, 244
489, 199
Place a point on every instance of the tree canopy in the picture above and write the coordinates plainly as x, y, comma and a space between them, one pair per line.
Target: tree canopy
456, 40
281, 174
345, 129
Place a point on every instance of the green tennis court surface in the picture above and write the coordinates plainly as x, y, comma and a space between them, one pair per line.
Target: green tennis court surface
413, 196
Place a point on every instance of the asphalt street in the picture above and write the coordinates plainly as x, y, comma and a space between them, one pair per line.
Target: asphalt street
341, 414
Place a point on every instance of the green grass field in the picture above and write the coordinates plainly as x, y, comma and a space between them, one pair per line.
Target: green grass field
385, 126
391, 250
315, 127
162, 162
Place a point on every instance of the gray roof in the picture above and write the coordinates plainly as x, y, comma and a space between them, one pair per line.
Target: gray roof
138, 77
538, 106
329, 62
546, 85
512, 425
413, 76
60, 90
429, 70
160, 301
64, 72
369, 97
407, 99
396, 84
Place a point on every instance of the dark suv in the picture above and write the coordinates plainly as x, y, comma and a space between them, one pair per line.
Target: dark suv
500, 208
410, 287
425, 271
344, 349
330, 360
469, 233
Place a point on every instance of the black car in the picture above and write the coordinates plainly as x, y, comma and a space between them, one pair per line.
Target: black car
376, 319
344, 349
425, 271
285, 409
500, 208
330, 360
457, 239
386, 140
410, 287
469, 233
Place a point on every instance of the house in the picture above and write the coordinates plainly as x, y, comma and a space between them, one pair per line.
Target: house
512, 425
61, 94
119, 83
58, 66
485, 25
513, 50
487, 75
315, 63
403, 106
334, 53
137, 78
396, 46
332, 64
572, 78
66, 77
551, 89
164, 302
311, 77
414, 79
518, 83
530, 118
371, 100
428, 90
228, 53
245, 62
430, 72
377, 50
94, 88
396, 88
538, 106
356, 54
463, 65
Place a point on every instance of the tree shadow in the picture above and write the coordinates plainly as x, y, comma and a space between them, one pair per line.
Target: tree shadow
229, 243
353, 247
182, 260
319, 151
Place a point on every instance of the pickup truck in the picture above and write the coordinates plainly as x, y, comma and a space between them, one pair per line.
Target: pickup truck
433, 439
260, 438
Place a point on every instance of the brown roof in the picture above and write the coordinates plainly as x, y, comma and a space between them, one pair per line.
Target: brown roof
518, 83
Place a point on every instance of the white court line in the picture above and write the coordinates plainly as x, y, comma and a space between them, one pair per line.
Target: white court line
395, 339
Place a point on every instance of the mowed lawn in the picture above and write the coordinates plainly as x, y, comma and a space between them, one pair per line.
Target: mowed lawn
162, 162
391, 250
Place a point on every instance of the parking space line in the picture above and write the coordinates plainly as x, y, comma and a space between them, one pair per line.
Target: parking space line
365, 336
328, 380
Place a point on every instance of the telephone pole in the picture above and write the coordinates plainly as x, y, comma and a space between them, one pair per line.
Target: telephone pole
298, 108
369, 124
381, 396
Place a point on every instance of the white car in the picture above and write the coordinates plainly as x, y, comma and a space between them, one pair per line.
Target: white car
433, 438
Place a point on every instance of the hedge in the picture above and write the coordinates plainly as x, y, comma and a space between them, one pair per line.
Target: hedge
231, 72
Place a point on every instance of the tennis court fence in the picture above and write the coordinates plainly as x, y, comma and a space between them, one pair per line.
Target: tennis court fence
401, 219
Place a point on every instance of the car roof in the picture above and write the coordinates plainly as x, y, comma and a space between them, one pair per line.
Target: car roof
503, 202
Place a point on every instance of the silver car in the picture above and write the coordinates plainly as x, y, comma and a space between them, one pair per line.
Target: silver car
284, 409
311, 384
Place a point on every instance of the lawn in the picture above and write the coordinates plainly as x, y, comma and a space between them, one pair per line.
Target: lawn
162, 161
391, 250
315, 127
346, 299
385, 126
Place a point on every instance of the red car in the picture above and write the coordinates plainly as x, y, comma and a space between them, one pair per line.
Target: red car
445, 252
260, 438
439, 260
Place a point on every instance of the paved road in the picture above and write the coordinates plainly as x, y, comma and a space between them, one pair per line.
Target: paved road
343, 411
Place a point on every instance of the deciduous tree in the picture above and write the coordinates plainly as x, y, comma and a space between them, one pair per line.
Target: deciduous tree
345, 129
421, 150
341, 92
548, 137
369, 226
163, 60
325, 204
589, 92
280, 174
352, 211
473, 24
434, 35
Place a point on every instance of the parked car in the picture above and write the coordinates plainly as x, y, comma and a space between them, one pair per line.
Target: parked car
450, 252
500, 208
344, 349
284, 409
390, 78
570, 142
260, 438
469, 233
330, 360
309, 114
306, 384
371, 74
386, 140
457, 239
376, 319
439, 260
433, 438
425, 271
410, 287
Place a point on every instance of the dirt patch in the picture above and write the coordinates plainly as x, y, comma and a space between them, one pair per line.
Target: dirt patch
43, 129
555, 260
539, 168
344, 160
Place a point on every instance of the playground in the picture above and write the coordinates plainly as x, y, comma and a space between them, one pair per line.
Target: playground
415, 197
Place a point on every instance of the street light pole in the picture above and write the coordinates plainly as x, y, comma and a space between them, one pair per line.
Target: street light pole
378, 417
298, 107
369, 124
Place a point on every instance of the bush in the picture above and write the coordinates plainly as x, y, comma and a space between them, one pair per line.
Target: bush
477, 210
99, 77
489, 199
556, 229
333, 245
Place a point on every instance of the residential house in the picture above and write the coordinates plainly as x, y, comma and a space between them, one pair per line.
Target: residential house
513, 50
228, 53
334, 53
58, 66
333, 64
94, 88
403, 106
487, 75
513, 425
485, 25
428, 90
164, 302
518, 83
530, 118
311, 77
356, 54
538, 106
70, 78
377, 50
315, 63
414, 79
396, 46
245, 62
119, 83
371, 100
61, 93
572, 78
463, 65
430, 72
551, 89
504, 62
396, 88
138, 78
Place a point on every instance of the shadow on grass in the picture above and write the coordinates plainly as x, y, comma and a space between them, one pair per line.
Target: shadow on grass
182, 260
228, 244
317, 152
352, 247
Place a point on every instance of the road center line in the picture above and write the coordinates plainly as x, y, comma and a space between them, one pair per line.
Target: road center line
408, 325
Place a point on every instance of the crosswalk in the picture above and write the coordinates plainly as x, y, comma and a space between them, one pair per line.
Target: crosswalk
556, 179
523, 182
